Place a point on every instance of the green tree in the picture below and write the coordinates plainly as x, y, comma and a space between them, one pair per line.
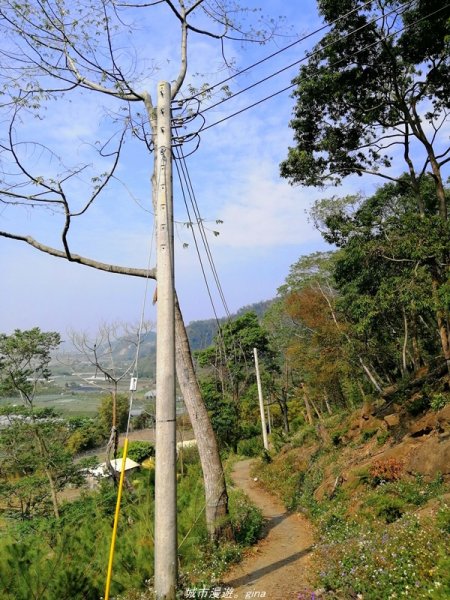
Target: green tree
230, 372
35, 463
231, 356
24, 361
119, 404
388, 263
367, 88
34, 438
85, 433
375, 92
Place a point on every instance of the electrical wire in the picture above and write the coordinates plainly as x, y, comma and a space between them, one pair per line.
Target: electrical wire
187, 191
288, 47
199, 220
292, 85
186, 184
224, 355
306, 57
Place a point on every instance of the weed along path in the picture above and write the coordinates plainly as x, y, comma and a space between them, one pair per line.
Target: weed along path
278, 567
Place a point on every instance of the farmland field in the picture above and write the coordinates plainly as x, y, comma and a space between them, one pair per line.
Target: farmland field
72, 399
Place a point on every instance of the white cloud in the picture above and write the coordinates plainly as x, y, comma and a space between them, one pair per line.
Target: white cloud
266, 212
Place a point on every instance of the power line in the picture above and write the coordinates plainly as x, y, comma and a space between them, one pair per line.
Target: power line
292, 85
187, 191
288, 47
223, 353
306, 57
186, 184
204, 236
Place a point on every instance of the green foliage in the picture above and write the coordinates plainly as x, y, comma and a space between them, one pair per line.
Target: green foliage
250, 447
418, 405
305, 434
308, 482
138, 451
86, 433
387, 507
33, 450
368, 434
224, 414
438, 401
443, 518
368, 541
47, 559
24, 360
311, 269
231, 356
398, 561
388, 276
227, 377
354, 91
105, 412
245, 519
383, 437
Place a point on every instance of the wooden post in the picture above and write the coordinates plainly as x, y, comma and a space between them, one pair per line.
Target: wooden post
261, 401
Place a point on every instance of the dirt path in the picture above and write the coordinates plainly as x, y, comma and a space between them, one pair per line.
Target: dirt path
277, 567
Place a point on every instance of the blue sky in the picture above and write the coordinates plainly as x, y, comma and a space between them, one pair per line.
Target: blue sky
234, 174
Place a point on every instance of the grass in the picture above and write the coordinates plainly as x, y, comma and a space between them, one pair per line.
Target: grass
45, 559
68, 405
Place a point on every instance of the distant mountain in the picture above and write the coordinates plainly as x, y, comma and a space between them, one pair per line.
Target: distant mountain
200, 333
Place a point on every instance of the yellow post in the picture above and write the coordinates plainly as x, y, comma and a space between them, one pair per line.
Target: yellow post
116, 520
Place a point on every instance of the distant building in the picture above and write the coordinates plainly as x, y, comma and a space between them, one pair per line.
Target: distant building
101, 471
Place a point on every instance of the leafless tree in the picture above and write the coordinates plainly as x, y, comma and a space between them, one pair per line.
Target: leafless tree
55, 50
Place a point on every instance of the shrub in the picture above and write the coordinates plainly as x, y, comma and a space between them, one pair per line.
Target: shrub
443, 518
139, 451
245, 518
250, 447
382, 437
305, 434
401, 560
419, 405
438, 401
368, 434
387, 507
387, 469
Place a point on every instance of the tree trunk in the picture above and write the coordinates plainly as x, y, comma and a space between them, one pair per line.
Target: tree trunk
308, 408
327, 404
442, 327
416, 354
369, 374
316, 410
216, 496
282, 403
51, 482
54, 497
405, 343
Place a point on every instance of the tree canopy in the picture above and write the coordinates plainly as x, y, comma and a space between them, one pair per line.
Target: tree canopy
374, 92
24, 360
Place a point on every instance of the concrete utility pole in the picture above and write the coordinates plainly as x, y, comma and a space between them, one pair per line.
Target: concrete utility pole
261, 401
165, 455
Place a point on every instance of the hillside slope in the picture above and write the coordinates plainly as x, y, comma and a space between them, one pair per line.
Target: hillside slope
377, 488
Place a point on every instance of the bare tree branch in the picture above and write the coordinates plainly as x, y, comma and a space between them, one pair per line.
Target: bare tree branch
82, 260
